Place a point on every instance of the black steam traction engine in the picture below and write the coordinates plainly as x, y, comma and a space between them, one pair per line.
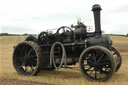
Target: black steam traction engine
97, 58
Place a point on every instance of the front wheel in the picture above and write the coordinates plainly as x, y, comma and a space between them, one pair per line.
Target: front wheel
97, 63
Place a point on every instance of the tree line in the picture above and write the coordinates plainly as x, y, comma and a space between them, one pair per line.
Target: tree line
26, 34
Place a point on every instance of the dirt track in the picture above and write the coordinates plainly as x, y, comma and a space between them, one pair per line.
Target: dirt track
19, 82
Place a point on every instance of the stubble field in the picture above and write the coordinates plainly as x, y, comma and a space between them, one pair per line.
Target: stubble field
8, 75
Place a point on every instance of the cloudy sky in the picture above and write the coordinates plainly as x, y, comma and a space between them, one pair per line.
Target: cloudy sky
34, 16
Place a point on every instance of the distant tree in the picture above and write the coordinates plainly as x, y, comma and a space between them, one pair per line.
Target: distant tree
25, 34
127, 34
4, 34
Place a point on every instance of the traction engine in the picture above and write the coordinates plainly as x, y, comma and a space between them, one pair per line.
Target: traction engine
94, 52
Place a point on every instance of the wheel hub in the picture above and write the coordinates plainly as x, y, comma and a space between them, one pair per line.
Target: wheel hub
27, 59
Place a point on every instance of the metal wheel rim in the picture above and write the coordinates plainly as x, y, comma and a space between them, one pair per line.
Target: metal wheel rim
27, 61
99, 71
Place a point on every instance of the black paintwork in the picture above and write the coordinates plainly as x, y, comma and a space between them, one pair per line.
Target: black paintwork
75, 41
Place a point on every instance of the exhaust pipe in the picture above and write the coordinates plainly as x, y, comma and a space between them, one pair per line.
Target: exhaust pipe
96, 11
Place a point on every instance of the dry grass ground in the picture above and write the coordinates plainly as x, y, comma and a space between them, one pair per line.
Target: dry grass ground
20, 82
61, 76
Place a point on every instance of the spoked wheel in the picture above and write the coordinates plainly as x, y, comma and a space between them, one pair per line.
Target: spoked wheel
27, 58
97, 63
116, 54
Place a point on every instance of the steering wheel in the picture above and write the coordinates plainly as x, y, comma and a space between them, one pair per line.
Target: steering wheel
64, 29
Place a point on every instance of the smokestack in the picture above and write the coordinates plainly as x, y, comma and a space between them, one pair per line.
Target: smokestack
96, 11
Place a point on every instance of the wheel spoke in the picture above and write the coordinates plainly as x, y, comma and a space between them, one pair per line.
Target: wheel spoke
94, 57
91, 72
100, 58
88, 68
99, 75
95, 74
103, 64
92, 63
29, 52
33, 56
85, 64
25, 52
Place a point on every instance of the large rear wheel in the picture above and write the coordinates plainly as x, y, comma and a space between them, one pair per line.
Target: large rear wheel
27, 58
31, 38
97, 63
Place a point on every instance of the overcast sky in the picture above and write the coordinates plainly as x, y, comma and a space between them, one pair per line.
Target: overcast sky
34, 16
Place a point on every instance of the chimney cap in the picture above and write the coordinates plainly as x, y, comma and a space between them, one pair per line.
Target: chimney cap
96, 7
